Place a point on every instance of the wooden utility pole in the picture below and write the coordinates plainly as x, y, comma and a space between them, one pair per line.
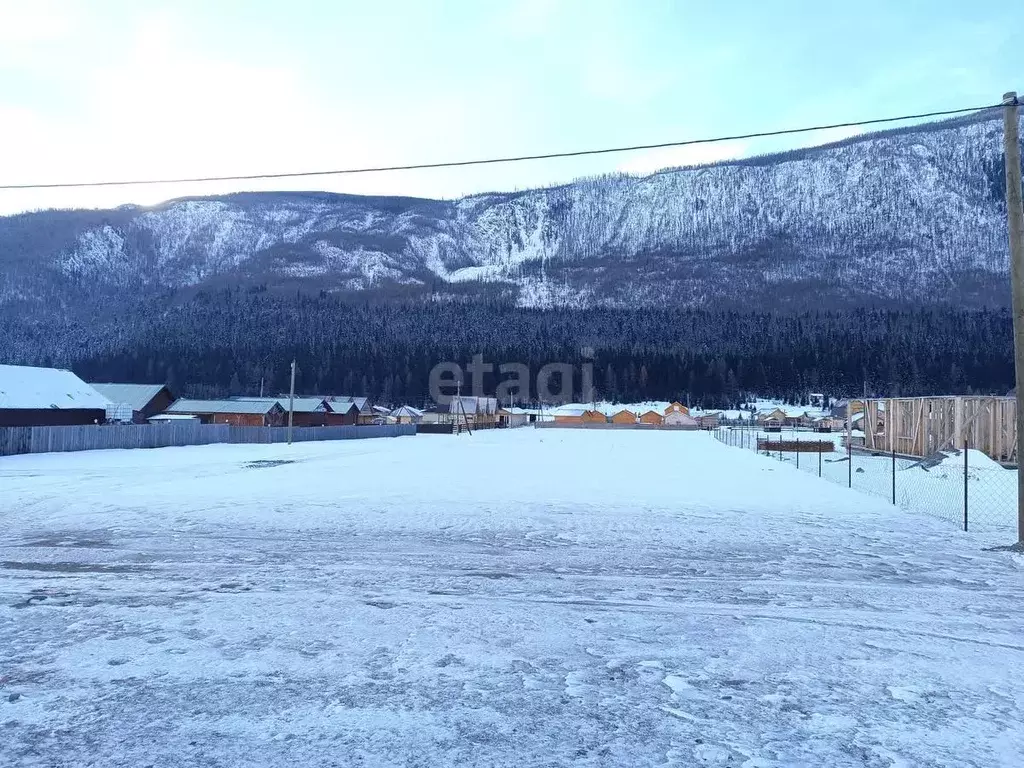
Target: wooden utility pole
291, 405
1015, 216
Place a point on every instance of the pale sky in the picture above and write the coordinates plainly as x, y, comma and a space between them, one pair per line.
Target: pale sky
112, 89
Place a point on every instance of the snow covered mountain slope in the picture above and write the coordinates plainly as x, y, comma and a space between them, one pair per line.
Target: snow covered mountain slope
912, 216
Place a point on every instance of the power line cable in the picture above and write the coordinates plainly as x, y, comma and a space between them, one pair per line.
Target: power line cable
498, 160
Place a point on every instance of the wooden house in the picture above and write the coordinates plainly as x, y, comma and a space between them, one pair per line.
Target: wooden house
342, 413
306, 411
32, 397
406, 414
676, 407
624, 416
568, 414
826, 424
135, 403
654, 418
364, 413
679, 419
709, 420
590, 416
365, 408
798, 417
774, 417
239, 413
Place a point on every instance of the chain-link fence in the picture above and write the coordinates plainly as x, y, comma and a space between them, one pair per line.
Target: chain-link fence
965, 487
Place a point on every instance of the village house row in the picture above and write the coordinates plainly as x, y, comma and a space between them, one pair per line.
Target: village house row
50, 397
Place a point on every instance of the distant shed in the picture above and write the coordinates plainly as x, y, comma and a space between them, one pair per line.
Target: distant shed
38, 397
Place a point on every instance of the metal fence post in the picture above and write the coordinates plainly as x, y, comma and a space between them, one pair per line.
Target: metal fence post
849, 462
894, 476
798, 451
819, 459
780, 447
965, 485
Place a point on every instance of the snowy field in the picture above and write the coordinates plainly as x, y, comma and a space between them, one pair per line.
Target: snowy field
523, 597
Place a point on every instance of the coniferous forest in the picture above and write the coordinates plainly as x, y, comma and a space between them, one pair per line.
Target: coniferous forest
228, 342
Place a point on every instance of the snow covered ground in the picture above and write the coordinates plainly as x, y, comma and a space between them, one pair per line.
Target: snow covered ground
930, 487
514, 597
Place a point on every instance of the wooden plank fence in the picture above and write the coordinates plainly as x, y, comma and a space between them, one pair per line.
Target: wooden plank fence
91, 437
796, 446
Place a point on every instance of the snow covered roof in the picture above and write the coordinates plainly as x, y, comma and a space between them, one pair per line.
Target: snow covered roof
341, 406
172, 417
406, 410
474, 404
361, 403
24, 387
135, 395
301, 405
223, 406
792, 411
569, 410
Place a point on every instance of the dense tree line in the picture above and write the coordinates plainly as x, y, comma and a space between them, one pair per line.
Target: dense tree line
231, 341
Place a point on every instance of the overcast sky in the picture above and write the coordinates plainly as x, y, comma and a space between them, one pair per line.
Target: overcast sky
105, 89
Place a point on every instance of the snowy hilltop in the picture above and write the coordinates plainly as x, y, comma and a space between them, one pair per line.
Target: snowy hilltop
908, 216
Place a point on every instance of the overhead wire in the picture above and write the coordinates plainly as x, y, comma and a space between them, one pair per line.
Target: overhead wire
501, 160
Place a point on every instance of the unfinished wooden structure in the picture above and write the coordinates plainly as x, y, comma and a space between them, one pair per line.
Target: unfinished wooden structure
920, 426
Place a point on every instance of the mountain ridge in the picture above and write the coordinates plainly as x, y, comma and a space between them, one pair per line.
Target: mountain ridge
908, 215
